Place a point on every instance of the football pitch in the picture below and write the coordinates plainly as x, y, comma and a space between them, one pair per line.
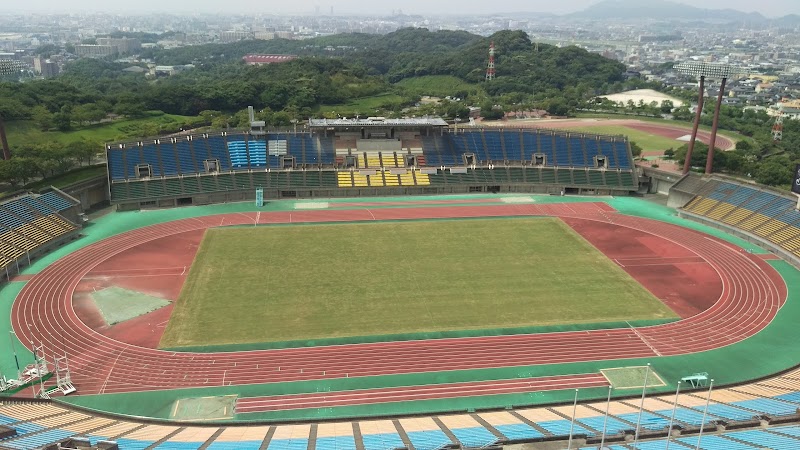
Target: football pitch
305, 282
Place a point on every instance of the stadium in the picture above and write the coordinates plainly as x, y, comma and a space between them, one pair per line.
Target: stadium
376, 284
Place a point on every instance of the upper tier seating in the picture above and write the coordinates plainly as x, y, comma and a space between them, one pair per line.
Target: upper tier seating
186, 155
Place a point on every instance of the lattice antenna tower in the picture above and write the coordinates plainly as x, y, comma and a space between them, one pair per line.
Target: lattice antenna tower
777, 129
490, 72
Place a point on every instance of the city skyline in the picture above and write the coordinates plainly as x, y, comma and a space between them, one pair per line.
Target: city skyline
771, 8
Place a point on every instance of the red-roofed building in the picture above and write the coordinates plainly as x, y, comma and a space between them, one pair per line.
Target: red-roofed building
257, 60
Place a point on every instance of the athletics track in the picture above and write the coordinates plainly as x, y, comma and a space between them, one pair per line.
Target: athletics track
752, 292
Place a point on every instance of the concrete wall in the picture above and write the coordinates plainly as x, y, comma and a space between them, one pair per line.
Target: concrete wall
660, 181
91, 193
277, 193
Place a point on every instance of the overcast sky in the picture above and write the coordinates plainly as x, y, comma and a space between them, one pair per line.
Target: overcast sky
770, 8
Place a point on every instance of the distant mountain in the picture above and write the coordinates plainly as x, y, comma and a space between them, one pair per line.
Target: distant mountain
790, 21
662, 9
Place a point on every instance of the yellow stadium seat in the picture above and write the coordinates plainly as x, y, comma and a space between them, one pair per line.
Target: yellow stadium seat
344, 179
720, 211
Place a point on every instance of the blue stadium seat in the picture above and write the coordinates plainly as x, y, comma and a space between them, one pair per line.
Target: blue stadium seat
133, 444
187, 162
513, 145
179, 445
116, 164
613, 426
150, 156
757, 202
547, 147
768, 406
561, 427
686, 415
131, 157
34, 440
237, 149
382, 441
518, 431
607, 150
494, 146
623, 161
327, 150
475, 437
166, 154
237, 445
727, 412
712, 442
530, 145
765, 439
9, 221
55, 201
19, 208
257, 150
219, 150
336, 443
428, 440
578, 156
791, 430
561, 151
288, 444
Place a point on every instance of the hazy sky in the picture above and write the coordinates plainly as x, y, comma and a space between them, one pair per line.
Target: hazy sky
770, 8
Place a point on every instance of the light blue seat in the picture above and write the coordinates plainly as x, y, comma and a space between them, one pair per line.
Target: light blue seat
713, 442
179, 445
242, 445
133, 444
761, 439
35, 440
288, 444
686, 415
382, 441
474, 437
727, 412
613, 425
518, 431
561, 428
428, 440
649, 421
768, 406
336, 443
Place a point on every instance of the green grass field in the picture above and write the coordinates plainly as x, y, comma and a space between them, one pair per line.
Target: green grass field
645, 140
26, 132
438, 85
283, 283
363, 105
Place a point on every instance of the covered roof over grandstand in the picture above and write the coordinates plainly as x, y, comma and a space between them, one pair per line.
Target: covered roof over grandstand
377, 122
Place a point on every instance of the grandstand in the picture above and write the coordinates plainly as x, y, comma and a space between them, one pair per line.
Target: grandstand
375, 156
735, 418
32, 224
751, 211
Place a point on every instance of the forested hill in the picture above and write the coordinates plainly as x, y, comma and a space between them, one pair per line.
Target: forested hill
360, 66
413, 52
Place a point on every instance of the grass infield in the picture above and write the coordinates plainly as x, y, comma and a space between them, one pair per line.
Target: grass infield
268, 284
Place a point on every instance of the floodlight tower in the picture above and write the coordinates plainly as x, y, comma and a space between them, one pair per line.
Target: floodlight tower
704, 70
490, 67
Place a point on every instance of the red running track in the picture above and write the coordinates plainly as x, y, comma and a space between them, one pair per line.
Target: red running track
424, 392
751, 296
